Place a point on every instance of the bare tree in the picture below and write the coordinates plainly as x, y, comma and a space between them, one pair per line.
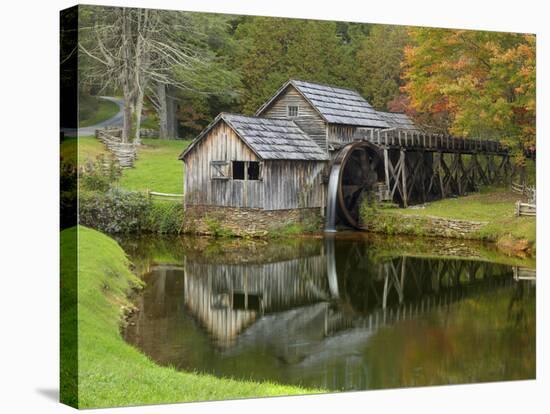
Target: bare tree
141, 52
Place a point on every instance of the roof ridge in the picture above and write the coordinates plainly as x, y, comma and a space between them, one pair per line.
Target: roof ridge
334, 104
258, 117
326, 84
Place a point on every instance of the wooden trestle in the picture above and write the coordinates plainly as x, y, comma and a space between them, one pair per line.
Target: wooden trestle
419, 167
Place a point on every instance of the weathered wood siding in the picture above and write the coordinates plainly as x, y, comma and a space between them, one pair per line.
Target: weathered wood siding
284, 184
294, 184
308, 118
340, 133
221, 144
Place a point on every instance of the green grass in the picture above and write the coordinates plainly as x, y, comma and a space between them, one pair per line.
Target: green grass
88, 148
157, 167
111, 372
482, 206
93, 110
496, 206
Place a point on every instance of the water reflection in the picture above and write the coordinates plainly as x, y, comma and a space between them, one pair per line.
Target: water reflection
337, 314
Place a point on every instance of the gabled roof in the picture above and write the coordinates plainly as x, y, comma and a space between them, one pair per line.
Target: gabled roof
269, 139
335, 105
398, 120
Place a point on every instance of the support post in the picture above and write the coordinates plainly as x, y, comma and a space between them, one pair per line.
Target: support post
402, 156
440, 174
386, 167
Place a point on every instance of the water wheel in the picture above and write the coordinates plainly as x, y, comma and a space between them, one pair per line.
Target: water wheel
359, 166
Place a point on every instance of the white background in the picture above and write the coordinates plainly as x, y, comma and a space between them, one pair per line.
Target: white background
29, 205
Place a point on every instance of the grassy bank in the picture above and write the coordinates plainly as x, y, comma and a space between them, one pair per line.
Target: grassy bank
494, 207
157, 167
111, 372
438, 248
93, 110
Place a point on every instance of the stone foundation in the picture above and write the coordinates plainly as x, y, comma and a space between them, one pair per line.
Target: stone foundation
215, 220
418, 225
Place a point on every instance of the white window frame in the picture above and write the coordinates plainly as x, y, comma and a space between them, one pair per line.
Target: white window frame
289, 107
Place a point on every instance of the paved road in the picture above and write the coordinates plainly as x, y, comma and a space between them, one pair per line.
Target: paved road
114, 121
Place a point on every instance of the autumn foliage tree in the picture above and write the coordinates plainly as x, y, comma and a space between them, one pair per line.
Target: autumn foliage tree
474, 83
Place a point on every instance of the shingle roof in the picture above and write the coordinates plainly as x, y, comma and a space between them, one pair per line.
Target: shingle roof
335, 105
398, 120
270, 139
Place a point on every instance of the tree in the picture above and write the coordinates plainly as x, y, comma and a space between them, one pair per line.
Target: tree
378, 64
105, 38
272, 50
142, 51
474, 83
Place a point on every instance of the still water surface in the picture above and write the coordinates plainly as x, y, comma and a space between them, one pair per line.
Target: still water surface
338, 313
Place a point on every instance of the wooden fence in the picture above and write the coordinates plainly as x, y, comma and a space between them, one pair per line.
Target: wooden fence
525, 209
124, 152
525, 190
165, 196
524, 273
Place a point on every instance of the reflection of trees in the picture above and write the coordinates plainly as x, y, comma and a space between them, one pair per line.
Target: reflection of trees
324, 313
517, 307
471, 343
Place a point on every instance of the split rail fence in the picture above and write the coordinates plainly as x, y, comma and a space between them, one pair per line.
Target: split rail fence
523, 189
529, 208
124, 152
525, 209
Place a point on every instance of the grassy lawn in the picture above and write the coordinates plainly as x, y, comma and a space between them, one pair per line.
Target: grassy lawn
111, 372
157, 167
92, 110
496, 206
88, 149
482, 206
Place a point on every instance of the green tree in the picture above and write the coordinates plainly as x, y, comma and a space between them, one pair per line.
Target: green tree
378, 64
272, 50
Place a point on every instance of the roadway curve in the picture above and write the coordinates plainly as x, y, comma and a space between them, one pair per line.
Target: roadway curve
116, 120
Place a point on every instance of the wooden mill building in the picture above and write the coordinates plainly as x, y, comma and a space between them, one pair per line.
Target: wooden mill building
321, 149
277, 160
253, 162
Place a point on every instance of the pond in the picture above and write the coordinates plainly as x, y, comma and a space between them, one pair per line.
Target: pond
339, 313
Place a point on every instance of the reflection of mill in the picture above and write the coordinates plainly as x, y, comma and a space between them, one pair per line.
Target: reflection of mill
330, 299
228, 298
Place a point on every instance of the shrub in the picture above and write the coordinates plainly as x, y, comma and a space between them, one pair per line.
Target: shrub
99, 175
123, 211
115, 211
166, 217
216, 229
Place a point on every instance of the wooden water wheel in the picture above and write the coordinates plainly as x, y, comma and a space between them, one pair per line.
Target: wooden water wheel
360, 167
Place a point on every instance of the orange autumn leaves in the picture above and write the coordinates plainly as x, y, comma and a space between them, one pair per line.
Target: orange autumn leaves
474, 83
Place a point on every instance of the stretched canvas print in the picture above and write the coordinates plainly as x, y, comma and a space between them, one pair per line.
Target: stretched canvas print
261, 206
